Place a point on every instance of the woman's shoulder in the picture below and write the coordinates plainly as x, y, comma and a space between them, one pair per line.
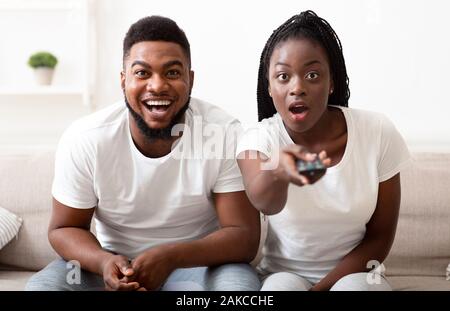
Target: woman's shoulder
363, 113
270, 125
363, 118
371, 128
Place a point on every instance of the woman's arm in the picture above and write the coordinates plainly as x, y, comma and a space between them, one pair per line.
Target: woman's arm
266, 180
380, 233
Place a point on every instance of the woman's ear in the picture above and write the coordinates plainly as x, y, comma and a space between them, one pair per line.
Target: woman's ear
331, 88
270, 93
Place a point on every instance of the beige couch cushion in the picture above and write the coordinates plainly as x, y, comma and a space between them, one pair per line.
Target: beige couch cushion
14, 280
419, 283
26, 191
422, 242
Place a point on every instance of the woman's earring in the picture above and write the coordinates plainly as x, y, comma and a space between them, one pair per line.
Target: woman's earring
331, 91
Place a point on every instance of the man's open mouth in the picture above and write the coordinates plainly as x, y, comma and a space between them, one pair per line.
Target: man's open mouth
157, 105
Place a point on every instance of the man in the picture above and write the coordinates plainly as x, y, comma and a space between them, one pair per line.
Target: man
164, 219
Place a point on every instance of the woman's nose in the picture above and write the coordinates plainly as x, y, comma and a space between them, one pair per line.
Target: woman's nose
297, 87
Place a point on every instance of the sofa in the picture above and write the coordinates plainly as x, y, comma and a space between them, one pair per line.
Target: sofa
418, 259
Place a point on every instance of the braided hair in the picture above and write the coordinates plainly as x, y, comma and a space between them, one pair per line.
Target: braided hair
310, 26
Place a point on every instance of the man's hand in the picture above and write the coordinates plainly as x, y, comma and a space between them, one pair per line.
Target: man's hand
117, 272
152, 267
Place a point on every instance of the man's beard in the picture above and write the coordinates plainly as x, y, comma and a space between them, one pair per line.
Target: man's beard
162, 133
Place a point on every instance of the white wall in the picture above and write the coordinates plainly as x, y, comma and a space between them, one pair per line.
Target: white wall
397, 54
33, 117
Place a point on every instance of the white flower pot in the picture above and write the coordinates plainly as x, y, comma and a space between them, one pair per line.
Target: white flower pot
43, 75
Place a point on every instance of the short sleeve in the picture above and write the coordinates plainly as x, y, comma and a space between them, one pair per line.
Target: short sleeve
257, 138
73, 183
394, 153
230, 178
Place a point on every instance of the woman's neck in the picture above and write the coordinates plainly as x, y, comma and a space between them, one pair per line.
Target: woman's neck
330, 128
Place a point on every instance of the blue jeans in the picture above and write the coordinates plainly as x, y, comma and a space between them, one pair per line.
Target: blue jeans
58, 276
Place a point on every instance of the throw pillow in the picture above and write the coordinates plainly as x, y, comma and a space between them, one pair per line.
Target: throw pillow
9, 226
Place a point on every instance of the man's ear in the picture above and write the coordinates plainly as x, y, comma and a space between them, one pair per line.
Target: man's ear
191, 79
122, 80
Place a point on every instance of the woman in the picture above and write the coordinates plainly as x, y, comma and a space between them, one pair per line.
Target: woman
327, 232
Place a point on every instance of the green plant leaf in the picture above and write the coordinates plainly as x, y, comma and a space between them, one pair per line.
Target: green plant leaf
42, 59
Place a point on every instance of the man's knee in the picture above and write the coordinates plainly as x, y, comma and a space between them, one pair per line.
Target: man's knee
61, 275
51, 278
232, 277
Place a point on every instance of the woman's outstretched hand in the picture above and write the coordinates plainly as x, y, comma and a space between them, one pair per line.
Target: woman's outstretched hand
287, 167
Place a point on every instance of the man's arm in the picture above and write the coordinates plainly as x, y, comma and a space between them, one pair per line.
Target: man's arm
380, 233
236, 241
69, 234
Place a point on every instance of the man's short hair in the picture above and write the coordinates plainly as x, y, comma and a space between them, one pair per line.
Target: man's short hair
156, 28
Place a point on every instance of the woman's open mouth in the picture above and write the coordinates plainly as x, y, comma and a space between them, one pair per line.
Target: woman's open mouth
298, 112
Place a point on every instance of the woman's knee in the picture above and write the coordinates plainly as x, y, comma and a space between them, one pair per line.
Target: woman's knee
362, 281
285, 281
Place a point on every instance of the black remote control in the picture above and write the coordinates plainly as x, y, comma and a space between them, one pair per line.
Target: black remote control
310, 169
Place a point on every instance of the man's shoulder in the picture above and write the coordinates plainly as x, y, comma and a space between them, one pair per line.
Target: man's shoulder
102, 120
211, 114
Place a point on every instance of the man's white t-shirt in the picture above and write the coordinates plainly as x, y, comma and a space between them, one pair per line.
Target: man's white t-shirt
323, 222
143, 202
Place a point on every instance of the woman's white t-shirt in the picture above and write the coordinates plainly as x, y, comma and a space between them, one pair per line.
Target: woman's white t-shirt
323, 222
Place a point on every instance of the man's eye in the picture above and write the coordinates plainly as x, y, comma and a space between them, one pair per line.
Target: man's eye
141, 73
173, 73
282, 77
312, 75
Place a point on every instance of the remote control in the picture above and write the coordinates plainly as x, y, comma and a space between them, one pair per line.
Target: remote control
311, 169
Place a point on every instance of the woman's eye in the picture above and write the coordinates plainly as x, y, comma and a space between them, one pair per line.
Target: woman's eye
312, 75
282, 77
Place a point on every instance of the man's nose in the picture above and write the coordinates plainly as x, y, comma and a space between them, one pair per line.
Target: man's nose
156, 84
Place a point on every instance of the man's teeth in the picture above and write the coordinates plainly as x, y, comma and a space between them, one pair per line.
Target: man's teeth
158, 103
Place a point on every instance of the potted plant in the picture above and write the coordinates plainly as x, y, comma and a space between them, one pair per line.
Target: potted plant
43, 64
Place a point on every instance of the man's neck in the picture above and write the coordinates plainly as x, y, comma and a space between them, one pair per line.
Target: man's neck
154, 148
